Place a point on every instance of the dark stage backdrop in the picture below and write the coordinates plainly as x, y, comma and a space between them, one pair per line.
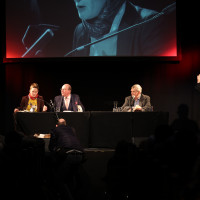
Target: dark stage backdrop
168, 84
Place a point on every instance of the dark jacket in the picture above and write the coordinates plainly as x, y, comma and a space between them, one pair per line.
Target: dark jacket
144, 103
154, 38
24, 103
75, 100
198, 87
64, 137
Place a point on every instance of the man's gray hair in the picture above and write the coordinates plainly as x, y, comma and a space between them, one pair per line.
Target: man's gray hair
137, 87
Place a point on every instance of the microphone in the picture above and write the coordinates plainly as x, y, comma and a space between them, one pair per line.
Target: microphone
131, 102
37, 37
164, 11
52, 105
54, 110
44, 102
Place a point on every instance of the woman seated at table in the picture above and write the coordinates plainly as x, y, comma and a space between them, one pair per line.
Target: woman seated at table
32, 102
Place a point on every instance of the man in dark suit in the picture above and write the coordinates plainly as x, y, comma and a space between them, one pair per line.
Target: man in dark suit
137, 101
67, 101
67, 156
63, 138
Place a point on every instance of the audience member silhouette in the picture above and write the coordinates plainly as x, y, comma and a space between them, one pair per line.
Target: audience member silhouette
2, 143
183, 123
164, 166
68, 155
23, 165
121, 171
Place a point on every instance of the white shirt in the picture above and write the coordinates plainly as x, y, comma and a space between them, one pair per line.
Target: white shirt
67, 101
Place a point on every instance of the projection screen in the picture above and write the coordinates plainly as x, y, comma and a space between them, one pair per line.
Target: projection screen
90, 28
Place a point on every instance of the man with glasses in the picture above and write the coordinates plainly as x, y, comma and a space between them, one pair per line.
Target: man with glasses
67, 101
137, 101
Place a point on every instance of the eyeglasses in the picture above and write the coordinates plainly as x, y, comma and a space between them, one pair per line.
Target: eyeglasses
63, 89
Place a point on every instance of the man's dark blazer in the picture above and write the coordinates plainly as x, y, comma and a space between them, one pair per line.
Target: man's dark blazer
198, 87
144, 102
74, 101
154, 38
64, 137
24, 103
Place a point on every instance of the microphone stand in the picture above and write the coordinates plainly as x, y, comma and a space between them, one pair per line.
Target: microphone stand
54, 110
132, 138
51, 105
131, 105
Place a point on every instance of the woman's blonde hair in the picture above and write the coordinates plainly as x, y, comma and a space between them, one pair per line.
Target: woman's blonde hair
34, 85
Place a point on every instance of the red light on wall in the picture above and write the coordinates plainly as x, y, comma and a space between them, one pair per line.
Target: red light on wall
172, 48
14, 49
190, 62
10, 54
171, 52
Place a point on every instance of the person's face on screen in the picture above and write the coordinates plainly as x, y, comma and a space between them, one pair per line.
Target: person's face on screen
89, 9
